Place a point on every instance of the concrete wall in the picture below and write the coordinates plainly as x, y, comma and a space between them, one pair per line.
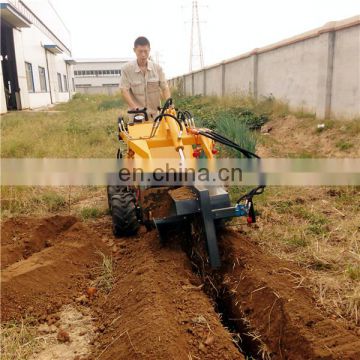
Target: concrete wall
188, 84
239, 76
318, 71
198, 82
214, 81
345, 90
98, 90
290, 73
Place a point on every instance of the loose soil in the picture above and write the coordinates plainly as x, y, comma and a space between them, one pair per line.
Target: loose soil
62, 261
159, 306
267, 292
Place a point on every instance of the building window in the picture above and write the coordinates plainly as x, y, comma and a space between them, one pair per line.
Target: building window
84, 73
42, 77
29, 77
60, 82
66, 84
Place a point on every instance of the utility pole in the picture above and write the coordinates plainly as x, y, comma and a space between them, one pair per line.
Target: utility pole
196, 51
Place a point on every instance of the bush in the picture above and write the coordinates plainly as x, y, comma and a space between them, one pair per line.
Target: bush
238, 132
90, 213
52, 201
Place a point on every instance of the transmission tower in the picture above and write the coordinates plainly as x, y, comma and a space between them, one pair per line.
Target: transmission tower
196, 52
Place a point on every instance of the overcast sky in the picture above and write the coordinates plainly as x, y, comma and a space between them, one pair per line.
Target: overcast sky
108, 28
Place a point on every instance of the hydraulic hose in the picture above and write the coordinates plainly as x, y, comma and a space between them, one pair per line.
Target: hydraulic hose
167, 104
222, 140
225, 141
159, 118
236, 146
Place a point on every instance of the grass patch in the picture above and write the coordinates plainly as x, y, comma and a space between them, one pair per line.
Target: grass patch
353, 304
353, 272
75, 129
45, 200
19, 340
90, 213
210, 111
344, 145
238, 132
297, 240
111, 104
316, 221
52, 201
282, 206
21, 200
105, 280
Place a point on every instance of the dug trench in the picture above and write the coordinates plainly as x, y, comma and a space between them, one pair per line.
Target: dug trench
166, 303
262, 300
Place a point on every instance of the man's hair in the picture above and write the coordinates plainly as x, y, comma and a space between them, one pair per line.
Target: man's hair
141, 41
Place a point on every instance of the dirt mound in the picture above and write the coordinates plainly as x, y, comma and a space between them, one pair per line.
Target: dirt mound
157, 309
22, 237
49, 278
267, 293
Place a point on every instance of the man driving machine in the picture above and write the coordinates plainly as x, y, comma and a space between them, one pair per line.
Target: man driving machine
143, 82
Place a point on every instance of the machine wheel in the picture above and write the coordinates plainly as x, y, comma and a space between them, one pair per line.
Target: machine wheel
124, 213
112, 190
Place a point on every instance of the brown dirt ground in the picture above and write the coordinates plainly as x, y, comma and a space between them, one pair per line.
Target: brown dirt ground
268, 292
157, 308
24, 236
47, 263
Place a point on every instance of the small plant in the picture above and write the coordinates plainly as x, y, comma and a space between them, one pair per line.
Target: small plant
105, 280
252, 121
238, 132
297, 241
283, 206
343, 145
353, 271
52, 201
353, 306
90, 213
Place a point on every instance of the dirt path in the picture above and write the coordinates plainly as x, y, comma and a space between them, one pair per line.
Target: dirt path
159, 307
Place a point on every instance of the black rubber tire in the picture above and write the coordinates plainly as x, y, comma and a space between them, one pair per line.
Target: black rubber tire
112, 190
124, 214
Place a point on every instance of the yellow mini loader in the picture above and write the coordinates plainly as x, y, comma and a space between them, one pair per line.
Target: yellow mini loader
172, 135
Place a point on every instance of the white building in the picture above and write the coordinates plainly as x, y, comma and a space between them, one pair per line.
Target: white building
98, 76
35, 56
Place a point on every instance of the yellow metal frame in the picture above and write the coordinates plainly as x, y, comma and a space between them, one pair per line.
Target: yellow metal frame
167, 141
